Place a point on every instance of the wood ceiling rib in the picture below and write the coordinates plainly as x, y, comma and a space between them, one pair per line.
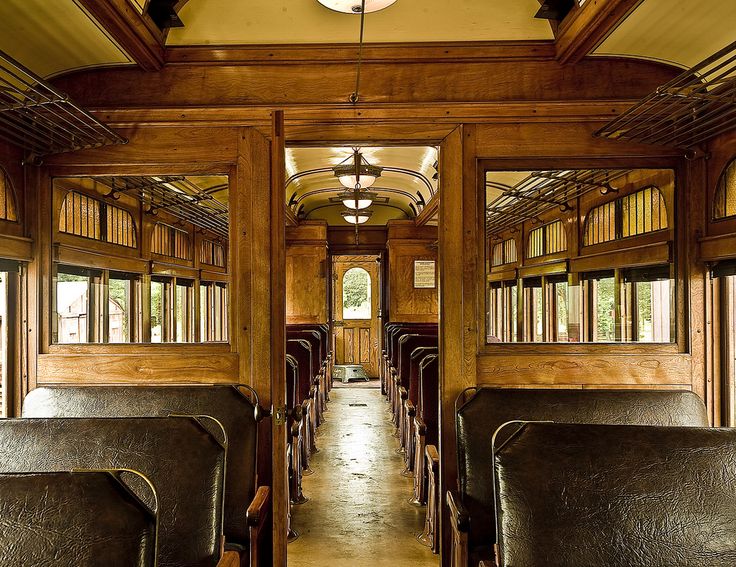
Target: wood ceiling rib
53, 37
221, 22
680, 32
406, 180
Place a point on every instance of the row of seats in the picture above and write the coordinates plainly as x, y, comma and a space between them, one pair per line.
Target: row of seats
567, 478
410, 381
308, 385
160, 475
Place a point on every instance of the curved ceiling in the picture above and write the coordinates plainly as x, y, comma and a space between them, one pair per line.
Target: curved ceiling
681, 32
50, 37
307, 21
405, 185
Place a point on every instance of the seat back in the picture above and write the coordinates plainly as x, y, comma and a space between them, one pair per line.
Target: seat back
479, 417
397, 330
315, 341
228, 404
572, 495
429, 391
85, 519
301, 351
183, 460
415, 362
407, 344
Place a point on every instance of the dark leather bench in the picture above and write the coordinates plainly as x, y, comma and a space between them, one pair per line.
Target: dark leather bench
318, 369
411, 404
84, 519
392, 333
480, 412
301, 351
234, 406
575, 495
427, 466
407, 344
179, 455
296, 430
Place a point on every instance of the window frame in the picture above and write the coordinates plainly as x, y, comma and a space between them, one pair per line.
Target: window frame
676, 233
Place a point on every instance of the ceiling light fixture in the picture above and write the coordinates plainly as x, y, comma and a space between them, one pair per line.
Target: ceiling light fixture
355, 6
356, 217
360, 7
357, 200
356, 173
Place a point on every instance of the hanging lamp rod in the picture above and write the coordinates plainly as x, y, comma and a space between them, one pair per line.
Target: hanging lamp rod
355, 96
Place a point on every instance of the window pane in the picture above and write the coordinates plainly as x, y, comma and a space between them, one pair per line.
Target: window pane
119, 305
4, 381
560, 290
72, 303
204, 311
604, 328
653, 311
157, 311
356, 294
184, 331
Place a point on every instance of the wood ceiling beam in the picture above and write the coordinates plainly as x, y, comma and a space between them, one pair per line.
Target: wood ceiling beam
136, 34
430, 211
588, 25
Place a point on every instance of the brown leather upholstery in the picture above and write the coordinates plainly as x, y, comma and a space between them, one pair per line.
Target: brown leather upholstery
579, 495
84, 519
489, 408
183, 460
225, 403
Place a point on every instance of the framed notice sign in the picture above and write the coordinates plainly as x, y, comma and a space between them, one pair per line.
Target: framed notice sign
424, 274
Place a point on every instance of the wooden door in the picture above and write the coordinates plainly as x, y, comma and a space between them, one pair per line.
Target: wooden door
355, 305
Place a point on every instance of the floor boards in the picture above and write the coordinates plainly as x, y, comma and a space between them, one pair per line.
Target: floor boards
358, 511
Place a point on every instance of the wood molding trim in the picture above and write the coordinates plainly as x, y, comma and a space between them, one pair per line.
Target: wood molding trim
137, 35
428, 52
429, 212
588, 26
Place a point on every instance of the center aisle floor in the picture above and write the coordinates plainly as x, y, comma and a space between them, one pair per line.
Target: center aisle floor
358, 511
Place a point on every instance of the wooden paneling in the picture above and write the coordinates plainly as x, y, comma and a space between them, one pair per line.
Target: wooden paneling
306, 283
235, 84
134, 368
16, 248
584, 369
407, 243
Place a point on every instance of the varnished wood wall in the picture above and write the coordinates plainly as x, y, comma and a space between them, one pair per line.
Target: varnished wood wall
307, 269
407, 243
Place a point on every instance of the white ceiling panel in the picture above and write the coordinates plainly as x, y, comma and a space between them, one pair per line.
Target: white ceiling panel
682, 32
50, 37
307, 21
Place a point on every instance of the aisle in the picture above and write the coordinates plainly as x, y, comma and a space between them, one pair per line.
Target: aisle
358, 511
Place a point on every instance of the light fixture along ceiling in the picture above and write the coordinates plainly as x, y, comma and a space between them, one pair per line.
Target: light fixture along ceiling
357, 200
356, 173
356, 219
354, 6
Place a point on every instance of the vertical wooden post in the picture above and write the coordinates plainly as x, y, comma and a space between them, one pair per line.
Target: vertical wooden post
458, 290
278, 339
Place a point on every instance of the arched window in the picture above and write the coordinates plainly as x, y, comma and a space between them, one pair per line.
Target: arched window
635, 214
504, 253
7, 199
724, 201
547, 239
170, 241
85, 216
356, 294
212, 253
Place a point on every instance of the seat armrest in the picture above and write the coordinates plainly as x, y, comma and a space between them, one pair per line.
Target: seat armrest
458, 513
229, 559
420, 426
403, 393
433, 457
411, 410
486, 563
258, 509
295, 429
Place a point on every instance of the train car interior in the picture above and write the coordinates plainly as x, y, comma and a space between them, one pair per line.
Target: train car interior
425, 283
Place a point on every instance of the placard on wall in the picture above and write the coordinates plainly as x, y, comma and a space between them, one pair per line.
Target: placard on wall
425, 274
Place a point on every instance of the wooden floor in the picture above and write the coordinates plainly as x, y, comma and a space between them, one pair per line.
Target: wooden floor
358, 511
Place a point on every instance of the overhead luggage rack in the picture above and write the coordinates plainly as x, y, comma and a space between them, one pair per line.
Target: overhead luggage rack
43, 120
692, 108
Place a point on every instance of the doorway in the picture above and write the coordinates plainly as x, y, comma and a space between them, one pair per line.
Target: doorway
356, 293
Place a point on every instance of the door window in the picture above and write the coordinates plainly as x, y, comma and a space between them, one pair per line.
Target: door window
356, 294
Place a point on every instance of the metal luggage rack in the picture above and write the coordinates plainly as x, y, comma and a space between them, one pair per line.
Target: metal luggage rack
178, 195
43, 120
691, 109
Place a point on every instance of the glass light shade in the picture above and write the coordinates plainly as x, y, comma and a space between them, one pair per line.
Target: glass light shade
354, 6
359, 218
351, 181
357, 200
